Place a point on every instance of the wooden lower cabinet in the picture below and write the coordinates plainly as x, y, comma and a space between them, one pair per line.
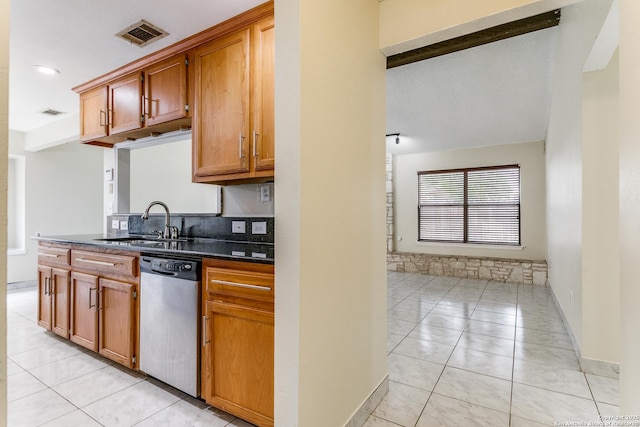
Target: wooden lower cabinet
53, 302
238, 339
84, 310
238, 361
102, 316
116, 320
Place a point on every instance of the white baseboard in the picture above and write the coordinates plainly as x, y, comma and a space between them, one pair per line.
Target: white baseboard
362, 414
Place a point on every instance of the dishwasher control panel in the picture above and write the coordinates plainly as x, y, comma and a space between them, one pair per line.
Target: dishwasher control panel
185, 269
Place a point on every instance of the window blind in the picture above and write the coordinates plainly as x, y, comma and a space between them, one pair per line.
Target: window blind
479, 205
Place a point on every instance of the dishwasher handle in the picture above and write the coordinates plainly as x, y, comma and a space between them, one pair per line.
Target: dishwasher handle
163, 273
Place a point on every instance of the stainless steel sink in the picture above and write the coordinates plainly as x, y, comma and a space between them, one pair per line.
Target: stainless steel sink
140, 240
120, 239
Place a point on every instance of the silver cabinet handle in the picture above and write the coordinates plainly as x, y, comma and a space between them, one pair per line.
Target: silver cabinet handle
240, 139
103, 114
91, 289
144, 106
241, 285
91, 261
46, 286
48, 255
204, 331
255, 144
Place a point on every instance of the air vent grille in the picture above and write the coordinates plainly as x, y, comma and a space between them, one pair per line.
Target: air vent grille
142, 33
51, 112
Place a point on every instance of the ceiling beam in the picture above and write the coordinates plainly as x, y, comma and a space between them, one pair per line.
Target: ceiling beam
490, 35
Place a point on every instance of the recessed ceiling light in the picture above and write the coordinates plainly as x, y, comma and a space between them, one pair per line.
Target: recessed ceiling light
46, 70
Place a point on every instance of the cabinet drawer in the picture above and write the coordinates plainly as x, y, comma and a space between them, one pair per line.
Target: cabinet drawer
105, 263
238, 283
54, 256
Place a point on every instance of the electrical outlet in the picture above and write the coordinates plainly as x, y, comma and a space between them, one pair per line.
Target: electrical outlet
259, 227
124, 225
238, 227
115, 224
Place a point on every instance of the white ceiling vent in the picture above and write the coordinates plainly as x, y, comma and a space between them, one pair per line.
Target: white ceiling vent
51, 112
142, 33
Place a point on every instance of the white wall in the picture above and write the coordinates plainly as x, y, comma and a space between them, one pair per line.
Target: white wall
330, 212
600, 210
579, 27
163, 172
16, 203
63, 192
629, 206
530, 157
4, 143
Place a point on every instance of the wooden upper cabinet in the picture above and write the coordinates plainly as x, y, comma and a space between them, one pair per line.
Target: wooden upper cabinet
219, 82
233, 128
125, 104
93, 114
112, 109
263, 95
165, 91
221, 99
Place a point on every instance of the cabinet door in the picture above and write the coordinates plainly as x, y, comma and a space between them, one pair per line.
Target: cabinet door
221, 106
166, 91
84, 310
93, 114
116, 321
237, 374
263, 150
125, 104
60, 302
44, 297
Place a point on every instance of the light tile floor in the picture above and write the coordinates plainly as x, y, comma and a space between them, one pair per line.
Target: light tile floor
478, 353
54, 383
461, 353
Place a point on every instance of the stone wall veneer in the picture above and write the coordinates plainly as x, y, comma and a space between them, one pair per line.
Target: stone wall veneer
390, 213
496, 269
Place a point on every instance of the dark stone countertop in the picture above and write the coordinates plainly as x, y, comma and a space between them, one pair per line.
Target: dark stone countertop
205, 247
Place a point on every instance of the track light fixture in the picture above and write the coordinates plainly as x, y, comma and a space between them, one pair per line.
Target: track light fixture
397, 135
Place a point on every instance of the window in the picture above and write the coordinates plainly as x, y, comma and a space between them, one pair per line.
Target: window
479, 205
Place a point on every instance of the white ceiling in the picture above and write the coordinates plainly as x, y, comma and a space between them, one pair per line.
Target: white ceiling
77, 38
496, 93
492, 94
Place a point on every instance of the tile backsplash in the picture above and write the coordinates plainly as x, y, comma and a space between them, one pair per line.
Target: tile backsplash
255, 229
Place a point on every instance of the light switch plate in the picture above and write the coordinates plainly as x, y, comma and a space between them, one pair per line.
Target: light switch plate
124, 225
238, 227
265, 194
259, 227
115, 224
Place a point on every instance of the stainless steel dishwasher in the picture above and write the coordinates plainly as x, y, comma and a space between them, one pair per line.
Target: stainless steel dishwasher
169, 321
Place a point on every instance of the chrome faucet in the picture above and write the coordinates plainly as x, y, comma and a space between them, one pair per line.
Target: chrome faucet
170, 232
